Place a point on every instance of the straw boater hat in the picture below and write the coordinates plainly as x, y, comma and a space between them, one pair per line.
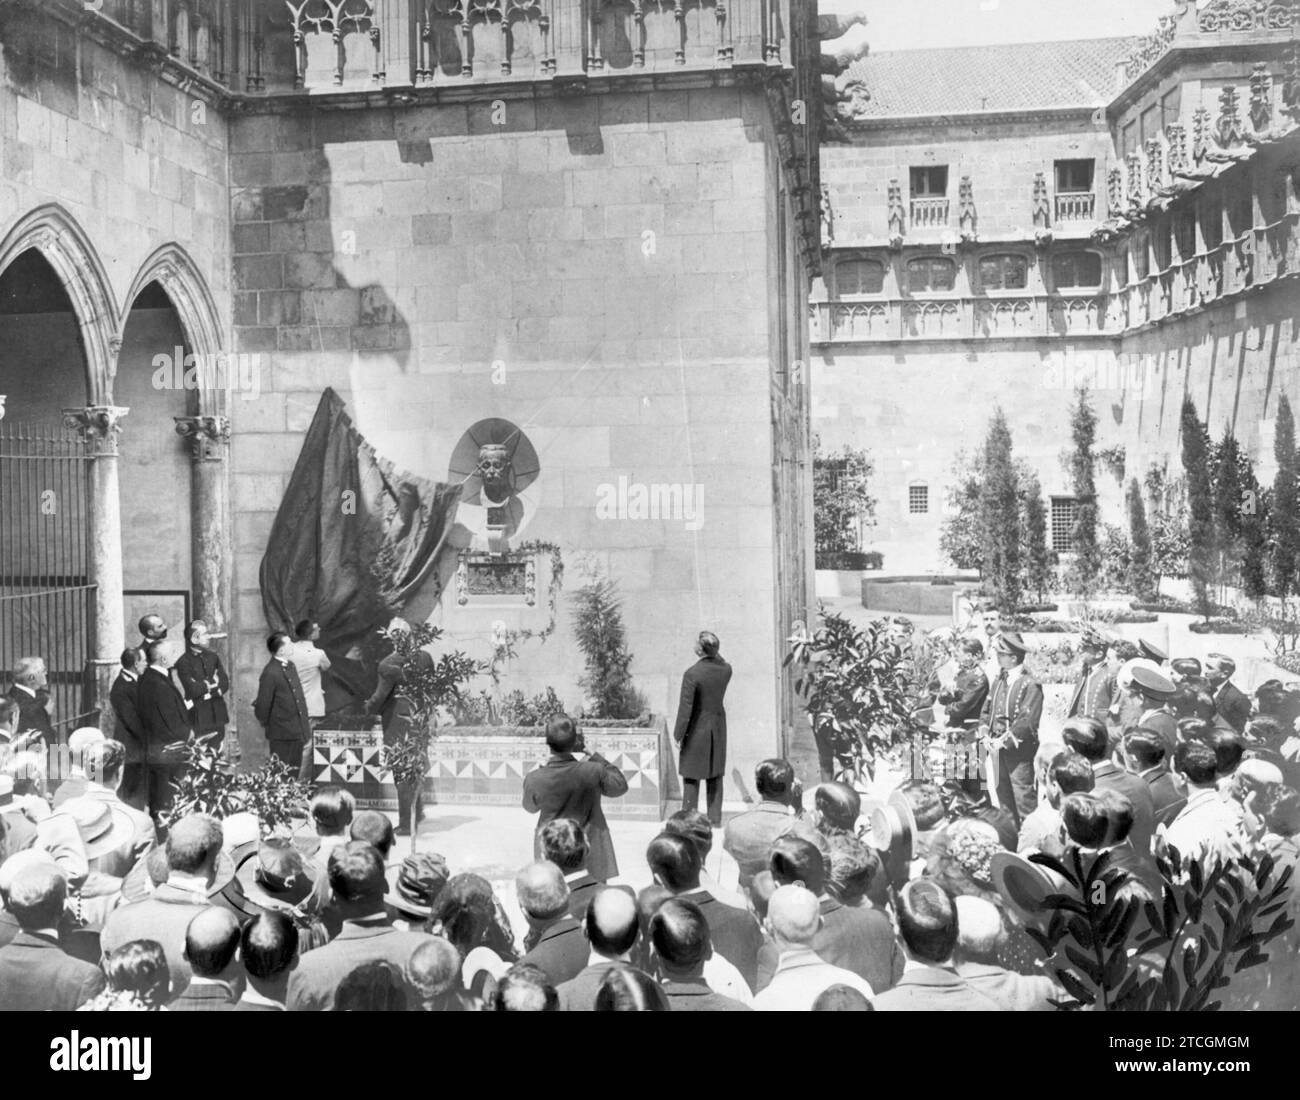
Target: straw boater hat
893, 833
1023, 886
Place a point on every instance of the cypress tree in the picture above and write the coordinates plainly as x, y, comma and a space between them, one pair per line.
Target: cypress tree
1200, 501
1254, 532
1285, 522
1141, 577
1227, 509
1087, 561
1000, 516
1038, 559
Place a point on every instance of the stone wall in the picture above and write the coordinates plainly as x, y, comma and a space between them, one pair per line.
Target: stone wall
596, 271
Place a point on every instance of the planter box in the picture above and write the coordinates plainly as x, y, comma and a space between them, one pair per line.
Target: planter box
477, 766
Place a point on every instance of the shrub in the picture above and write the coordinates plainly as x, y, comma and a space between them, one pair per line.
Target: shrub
602, 637
207, 786
856, 690
842, 503
849, 560
1219, 626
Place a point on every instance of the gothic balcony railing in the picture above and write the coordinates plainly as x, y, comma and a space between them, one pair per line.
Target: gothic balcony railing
929, 213
1078, 207
285, 45
1213, 23
953, 317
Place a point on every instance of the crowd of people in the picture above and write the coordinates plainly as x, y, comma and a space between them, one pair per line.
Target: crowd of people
819, 901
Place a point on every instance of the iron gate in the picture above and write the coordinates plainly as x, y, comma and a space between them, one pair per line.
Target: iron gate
47, 600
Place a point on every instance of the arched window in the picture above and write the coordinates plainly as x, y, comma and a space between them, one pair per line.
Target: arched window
1072, 270
1007, 271
931, 273
857, 277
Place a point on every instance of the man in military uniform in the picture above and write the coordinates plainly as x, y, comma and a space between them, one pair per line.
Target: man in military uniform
1009, 724
1155, 690
1096, 689
1127, 706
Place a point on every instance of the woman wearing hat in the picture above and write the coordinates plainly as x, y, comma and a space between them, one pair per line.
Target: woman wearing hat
1009, 725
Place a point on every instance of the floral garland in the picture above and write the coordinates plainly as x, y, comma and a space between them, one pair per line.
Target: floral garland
536, 546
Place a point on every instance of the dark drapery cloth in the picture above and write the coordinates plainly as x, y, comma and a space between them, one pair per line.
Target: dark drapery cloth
353, 540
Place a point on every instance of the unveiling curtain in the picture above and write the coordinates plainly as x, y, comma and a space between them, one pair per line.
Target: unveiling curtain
353, 540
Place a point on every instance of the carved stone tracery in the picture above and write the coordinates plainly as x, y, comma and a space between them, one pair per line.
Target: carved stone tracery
99, 426
338, 19
207, 436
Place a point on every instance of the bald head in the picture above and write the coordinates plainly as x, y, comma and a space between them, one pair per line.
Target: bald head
542, 891
794, 915
211, 942
980, 930
434, 968
611, 922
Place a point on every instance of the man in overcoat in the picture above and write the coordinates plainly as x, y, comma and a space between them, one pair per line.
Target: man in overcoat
701, 730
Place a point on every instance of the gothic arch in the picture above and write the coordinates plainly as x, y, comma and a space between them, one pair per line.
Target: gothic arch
171, 267
55, 234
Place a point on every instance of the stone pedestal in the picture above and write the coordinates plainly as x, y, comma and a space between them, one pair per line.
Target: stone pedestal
100, 426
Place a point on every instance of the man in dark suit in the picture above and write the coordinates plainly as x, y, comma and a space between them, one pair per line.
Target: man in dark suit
1010, 723
570, 784
165, 719
555, 942
1099, 824
611, 931
128, 729
358, 884
152, 629
927, 926
748, 837
701, 729
31, 692
268, 948
679, 935
564, 843
852, 938
193, 848
36, 974
1230, 703
1144, 756
1089, 738
204, 681
675, 863
281, 707
212, 950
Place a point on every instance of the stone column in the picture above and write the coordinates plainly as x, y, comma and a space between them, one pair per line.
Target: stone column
209, 443
100, 426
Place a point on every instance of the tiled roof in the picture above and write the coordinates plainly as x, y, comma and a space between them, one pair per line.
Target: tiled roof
1018, 77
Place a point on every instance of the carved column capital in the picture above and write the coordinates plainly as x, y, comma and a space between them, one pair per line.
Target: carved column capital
99, 426
207, 436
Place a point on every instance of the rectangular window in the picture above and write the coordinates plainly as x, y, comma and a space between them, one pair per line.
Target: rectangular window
1065, 511
1150, 125
1185, 232
1129, 141
931, 273
1074, 177
918, 499
1007, 272
1163, 242
854, 277
1170, 106
1076, 269
930, 182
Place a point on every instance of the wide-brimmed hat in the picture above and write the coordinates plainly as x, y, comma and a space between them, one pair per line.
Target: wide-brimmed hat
893, 834
277, 877
1153, 684
419, 882
103, 827
1024, 885
1011, 642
